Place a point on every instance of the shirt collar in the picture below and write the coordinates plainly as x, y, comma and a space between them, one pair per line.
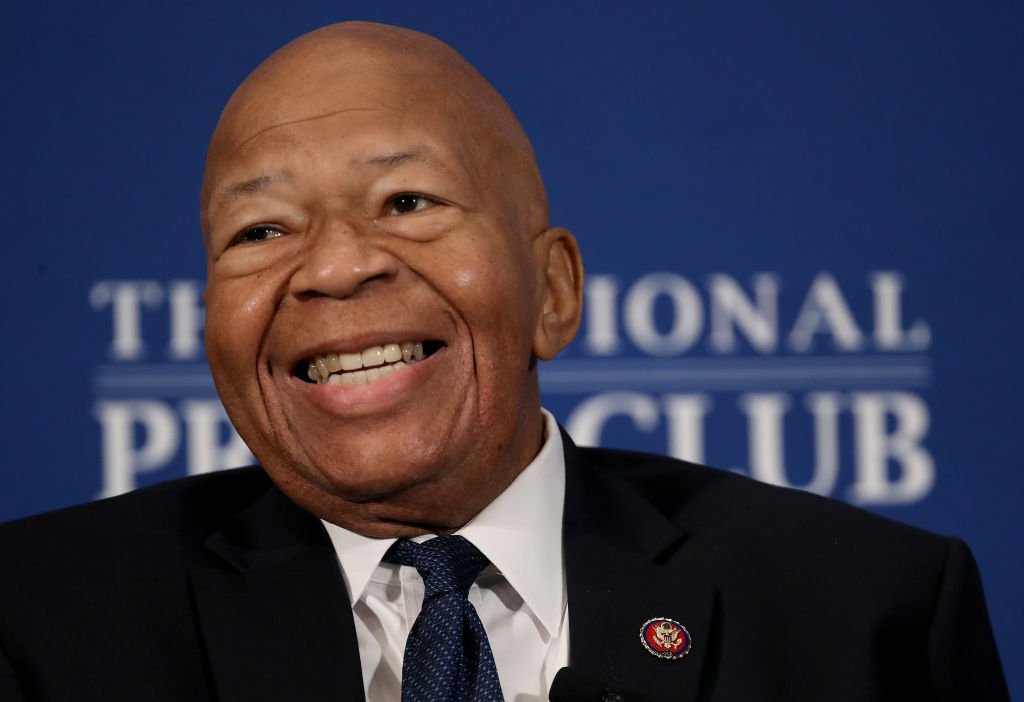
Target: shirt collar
526, 551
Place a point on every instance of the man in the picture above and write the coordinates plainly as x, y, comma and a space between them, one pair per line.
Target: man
382, 281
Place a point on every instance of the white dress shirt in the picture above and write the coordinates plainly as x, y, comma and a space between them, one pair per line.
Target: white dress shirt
520, 597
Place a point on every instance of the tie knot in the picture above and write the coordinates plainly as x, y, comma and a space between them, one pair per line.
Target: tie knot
446, 563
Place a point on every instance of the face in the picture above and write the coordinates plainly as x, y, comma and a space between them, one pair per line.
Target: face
374, 299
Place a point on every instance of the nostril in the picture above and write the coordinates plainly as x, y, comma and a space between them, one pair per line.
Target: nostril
340, 262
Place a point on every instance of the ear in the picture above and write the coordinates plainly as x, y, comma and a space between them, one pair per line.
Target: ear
560, 278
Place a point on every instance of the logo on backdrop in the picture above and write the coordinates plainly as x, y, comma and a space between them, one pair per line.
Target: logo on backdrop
816, 385
154, 399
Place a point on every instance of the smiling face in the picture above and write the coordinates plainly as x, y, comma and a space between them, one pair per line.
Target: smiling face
381, 273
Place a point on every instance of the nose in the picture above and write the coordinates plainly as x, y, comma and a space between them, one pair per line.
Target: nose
340, 258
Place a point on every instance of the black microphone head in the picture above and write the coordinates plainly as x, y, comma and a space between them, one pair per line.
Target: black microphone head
572, 685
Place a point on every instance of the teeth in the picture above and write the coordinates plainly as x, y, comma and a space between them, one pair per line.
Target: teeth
333, 364
321, 365
373, 356
367, 366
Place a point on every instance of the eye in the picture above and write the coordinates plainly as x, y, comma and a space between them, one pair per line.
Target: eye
407, 203
261, 232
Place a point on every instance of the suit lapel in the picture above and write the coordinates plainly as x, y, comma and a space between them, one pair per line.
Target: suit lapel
274, 613
626, 563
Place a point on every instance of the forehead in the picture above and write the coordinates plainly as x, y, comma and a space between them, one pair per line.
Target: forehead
354, 127
342, 143
327, 79
349, 102
324, 103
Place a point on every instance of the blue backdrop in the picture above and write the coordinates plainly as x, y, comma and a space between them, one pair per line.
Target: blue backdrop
802, 223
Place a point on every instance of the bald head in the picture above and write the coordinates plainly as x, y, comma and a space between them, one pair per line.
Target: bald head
367, 190
355, 66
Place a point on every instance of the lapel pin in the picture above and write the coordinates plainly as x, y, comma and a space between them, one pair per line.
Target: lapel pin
665, 638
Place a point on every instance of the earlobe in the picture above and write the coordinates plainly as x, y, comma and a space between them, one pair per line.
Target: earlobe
560, 270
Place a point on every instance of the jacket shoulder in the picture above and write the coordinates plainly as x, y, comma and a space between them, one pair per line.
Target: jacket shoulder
755, 518
175, 511
832, 586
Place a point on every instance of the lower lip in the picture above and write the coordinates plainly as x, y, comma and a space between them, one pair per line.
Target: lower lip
376, 395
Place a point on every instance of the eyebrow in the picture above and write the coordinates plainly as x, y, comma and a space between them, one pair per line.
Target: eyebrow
399, 158
260, 183
251, 186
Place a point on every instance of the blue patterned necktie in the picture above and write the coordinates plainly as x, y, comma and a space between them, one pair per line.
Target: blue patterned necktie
447, 655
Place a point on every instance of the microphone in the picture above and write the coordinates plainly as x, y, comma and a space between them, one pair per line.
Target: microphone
572, 685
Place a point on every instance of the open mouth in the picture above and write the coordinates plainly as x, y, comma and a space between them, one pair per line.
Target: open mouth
365, 366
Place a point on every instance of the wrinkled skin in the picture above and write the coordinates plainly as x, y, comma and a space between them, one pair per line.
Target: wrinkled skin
365, 186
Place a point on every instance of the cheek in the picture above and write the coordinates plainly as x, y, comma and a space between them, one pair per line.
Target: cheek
237, 314
482, 282
465, 279
494, 295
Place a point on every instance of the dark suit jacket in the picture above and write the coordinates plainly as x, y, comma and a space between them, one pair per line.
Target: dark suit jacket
218, 588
